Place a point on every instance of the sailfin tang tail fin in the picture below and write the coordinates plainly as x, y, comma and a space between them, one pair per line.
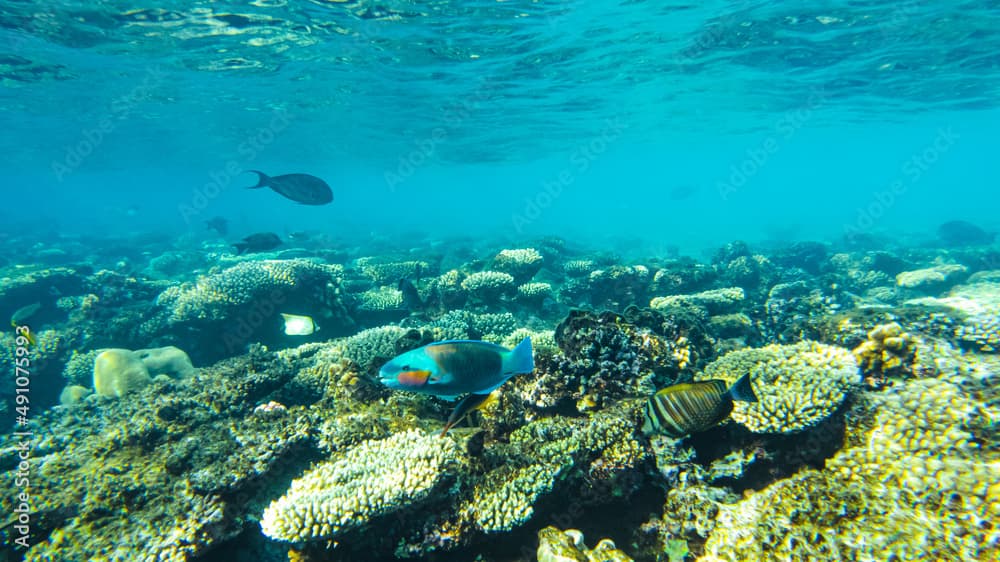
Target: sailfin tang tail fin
742, 391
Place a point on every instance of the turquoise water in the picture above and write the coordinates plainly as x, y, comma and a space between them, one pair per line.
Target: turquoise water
452, 117
650, 200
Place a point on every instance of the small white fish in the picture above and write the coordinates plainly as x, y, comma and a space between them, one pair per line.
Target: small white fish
296, 325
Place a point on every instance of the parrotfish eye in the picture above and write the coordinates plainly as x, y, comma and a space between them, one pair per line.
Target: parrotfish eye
406, 368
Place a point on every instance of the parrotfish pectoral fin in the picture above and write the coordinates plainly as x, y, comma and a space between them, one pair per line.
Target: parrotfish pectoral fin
471, 402
742, 391
520, 360
261, 181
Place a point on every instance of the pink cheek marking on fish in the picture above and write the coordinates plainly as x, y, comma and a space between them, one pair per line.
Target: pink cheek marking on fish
413, 378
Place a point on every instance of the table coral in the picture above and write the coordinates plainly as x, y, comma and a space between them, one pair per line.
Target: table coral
715, 301
488, 286
521, 263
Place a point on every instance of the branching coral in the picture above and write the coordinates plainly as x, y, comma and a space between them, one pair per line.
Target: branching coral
912, 484
797, 385
369, 480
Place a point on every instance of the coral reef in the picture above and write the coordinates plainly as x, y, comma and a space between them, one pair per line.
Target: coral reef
379, 306
970, 314
607, 356
889, 352
534, 293
540, 456
797, 385
568, 546
912, 484
488, 287
714, 301
164, 474
465, 325
888, 451
170, 361
242, 303
522, 264
365, 482
118, 372
932, 278
383, 271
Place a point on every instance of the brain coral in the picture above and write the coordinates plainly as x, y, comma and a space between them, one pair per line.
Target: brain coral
118, 372
373, 478
797, 385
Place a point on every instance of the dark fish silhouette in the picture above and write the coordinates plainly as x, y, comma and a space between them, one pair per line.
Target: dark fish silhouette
690, 407
411, 297
218, 224
962, 233
260, 242
302, 188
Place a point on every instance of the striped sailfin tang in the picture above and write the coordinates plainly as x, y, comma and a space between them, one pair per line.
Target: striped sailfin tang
686, 408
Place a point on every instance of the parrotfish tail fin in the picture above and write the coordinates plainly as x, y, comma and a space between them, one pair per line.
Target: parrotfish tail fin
261, 181
469, 403
240, 248
742, 391
520, 360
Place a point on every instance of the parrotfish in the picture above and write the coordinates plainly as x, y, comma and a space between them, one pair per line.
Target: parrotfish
690, 407
260, 242
450, 368
301, 188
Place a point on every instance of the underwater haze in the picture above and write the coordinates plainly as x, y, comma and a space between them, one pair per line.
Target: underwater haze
453, 117
499, 281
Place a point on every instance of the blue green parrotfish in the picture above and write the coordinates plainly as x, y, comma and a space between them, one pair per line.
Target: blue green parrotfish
450, 368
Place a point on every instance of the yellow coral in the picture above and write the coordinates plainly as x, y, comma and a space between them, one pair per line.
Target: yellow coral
887, 351
370, 479
912, 485
796, 385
